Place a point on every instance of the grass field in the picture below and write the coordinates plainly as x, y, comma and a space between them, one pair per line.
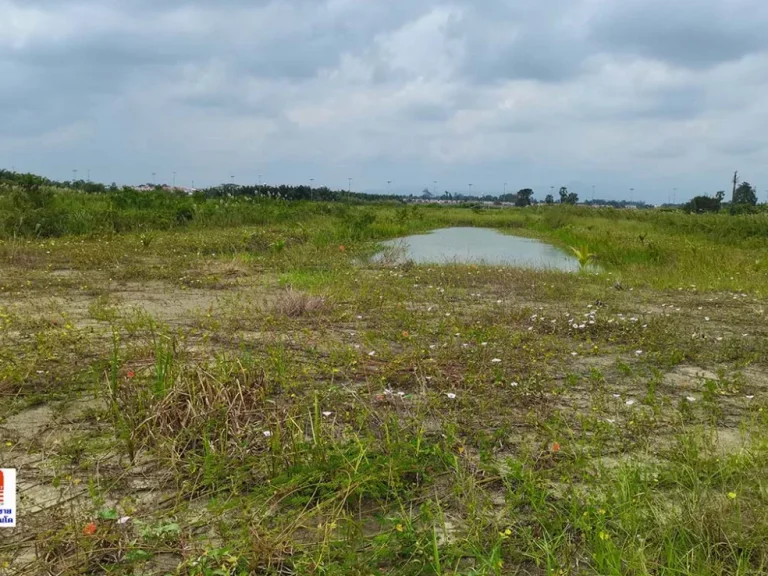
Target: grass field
240, 392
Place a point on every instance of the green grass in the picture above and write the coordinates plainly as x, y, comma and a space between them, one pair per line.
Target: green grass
254, 398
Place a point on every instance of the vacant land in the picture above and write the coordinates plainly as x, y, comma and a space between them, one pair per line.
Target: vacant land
206, 397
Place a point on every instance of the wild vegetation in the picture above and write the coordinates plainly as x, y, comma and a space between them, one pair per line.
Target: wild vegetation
228, 385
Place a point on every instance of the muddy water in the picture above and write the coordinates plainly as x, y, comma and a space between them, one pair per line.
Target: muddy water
478, 246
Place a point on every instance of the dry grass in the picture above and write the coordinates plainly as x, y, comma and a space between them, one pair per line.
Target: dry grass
295, 304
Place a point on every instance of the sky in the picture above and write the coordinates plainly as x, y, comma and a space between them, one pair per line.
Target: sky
654, 95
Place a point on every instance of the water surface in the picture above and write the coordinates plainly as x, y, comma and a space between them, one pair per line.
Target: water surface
477, 246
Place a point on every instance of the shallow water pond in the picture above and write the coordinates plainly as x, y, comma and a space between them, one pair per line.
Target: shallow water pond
477, 246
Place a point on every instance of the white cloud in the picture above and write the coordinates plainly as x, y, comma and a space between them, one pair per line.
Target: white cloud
643, 93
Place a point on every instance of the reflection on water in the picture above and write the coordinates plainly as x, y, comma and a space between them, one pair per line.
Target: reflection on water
477, 246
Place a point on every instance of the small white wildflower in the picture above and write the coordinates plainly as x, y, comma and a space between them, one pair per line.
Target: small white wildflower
372, 353
630, 402
750, 397
638, 352
451, 395
483, 343
496, 360
574, 353
359, 317
326, 414
575, 326
690, 399
719, 338
447, 314
610, 420
706, 318
267, 433
515, 384
582, 326
123, 519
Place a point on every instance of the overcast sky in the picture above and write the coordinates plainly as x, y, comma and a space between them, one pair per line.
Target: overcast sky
620, 94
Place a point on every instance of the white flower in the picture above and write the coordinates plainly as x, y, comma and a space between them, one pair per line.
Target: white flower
638, 352
750, 397
690, 399
515, 384
575, 326
326, 414
451, 395
706, 318
630, 402
617, 395
610, 420
496, 360
719, 338
574, 353
123, 519
267, 434
359, 317
483, 343
582, 326
372, 353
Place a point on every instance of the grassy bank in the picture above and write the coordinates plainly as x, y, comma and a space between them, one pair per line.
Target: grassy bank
233, 393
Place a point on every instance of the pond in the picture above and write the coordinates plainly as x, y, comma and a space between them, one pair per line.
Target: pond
476, 246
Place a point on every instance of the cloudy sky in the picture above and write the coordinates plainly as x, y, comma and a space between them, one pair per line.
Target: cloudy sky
619, 94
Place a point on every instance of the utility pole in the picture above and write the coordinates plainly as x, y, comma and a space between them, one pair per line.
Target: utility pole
174, 179
259, 179
735, 182
232, 178
674, 195
505, 188
434, 188
153, 178
389, 183
74, 176
193, 184
631, 195
89, 174
593, 193
470, 189
311, 183
552, 191
350, 185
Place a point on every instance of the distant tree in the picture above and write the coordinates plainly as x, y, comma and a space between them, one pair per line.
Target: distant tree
745, 194
549, 199
568, 197
426, 194
705, 203
524, 197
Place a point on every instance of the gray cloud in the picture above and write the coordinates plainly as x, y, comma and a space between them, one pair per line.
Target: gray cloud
410, 90
691, 34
